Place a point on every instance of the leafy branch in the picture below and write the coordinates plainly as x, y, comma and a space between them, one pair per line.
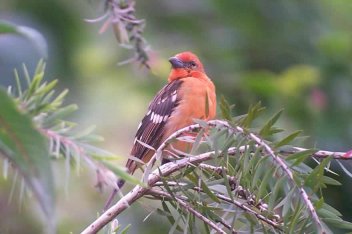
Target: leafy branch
33, 131
250, 178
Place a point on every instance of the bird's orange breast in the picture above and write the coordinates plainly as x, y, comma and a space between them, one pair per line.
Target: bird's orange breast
197, 101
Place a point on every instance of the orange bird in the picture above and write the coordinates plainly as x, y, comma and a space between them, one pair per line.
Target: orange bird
174, 107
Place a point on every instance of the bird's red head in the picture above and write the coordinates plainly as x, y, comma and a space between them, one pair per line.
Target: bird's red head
185, 64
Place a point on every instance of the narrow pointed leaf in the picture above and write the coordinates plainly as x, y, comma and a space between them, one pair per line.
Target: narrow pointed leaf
209, 192
57, 115
288, 139
264, 183
253, 113
268, 127
125, 230
314, 179
300, 157
225, 109
275, 192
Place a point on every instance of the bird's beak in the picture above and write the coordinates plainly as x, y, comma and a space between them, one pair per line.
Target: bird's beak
176, 63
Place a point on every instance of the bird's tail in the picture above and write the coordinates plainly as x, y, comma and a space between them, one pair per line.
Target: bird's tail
120, 184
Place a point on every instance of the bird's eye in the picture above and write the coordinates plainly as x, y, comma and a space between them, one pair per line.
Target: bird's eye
193, 64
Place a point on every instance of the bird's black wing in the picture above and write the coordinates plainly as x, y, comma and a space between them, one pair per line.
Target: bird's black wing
152, 127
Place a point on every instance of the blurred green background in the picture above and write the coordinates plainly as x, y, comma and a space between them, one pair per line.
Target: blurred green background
294, 54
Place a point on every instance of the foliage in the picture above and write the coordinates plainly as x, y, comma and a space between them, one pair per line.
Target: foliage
33, 131
236, 180
27, 150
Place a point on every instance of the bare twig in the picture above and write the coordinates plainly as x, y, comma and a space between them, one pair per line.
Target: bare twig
319, 154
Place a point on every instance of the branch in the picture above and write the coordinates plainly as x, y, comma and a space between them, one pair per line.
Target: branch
139, 191
71, 148
153, 177
320, 153
56, 140
240, 205
281, 163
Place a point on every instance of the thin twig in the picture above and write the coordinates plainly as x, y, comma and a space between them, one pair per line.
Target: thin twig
319, 154
68, 143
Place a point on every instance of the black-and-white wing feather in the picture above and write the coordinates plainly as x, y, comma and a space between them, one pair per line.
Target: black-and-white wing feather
152, 127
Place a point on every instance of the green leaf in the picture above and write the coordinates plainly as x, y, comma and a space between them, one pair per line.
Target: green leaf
7, 28
176, 225
27, 149
167, 187
209, 192
260, 168
331, 209
197, 141
57, 115
267, 129
345, 225
227, 184
225, 109
288, 139
253, 113
31, 34
275, 192
166, 212
285, 201
315, 179
264, 183
299, 157
339, 223
330, 181
319, 203
295, 217
125, 230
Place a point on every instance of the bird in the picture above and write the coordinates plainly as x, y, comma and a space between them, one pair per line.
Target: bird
188, 95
